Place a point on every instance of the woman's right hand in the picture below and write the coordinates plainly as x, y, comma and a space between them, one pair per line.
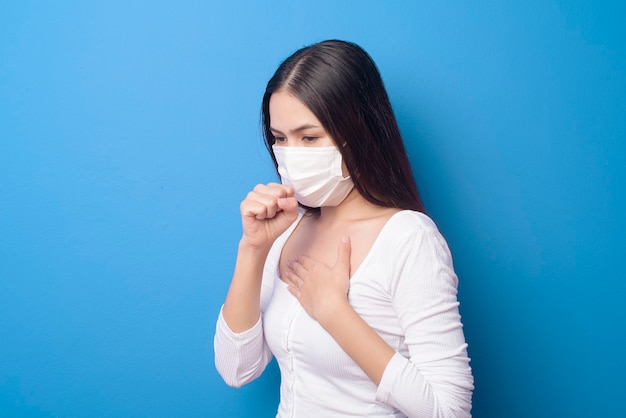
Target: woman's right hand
266, 212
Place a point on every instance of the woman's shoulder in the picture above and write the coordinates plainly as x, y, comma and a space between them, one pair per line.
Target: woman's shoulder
409, 228
406, 222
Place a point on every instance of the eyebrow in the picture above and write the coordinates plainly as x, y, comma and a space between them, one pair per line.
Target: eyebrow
298, 129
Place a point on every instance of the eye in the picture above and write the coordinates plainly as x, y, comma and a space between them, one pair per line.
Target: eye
278, 139
309, 138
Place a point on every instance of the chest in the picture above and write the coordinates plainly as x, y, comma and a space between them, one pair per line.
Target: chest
321, 242
303, 347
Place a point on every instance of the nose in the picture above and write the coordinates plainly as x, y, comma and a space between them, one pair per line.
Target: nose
292, 142
288, 142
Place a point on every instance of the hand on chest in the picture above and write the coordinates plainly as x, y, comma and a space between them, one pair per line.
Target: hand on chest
320, 242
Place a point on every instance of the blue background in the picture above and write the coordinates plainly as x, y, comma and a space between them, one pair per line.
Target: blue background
130, 131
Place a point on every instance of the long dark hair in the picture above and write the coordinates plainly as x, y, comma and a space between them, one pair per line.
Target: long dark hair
340, 83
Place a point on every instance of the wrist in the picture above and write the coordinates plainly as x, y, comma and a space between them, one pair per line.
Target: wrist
335, 313
252, 248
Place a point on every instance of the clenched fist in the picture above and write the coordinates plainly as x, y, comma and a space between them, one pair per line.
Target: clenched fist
266, 212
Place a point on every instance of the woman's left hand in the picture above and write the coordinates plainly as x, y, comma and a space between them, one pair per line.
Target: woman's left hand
321, 289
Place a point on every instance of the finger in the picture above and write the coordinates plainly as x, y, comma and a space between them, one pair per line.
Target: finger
301, 264
294, 283
269, 195
343, 253
289, 205
289, 190
260, 205
258, 210
294, 291
253, 209
290, 278
291, 265
266, 197
274, 189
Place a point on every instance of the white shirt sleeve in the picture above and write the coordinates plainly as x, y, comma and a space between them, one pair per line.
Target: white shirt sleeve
240, 357
435, 380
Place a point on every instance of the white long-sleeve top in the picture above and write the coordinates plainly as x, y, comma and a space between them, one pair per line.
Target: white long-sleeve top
406, 290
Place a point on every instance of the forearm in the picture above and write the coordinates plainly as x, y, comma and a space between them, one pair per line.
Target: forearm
402, 383
359, 341
242, 305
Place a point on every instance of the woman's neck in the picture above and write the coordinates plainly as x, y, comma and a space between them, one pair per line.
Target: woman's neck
353, 208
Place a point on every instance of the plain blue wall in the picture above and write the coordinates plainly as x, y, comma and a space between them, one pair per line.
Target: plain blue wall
129, 132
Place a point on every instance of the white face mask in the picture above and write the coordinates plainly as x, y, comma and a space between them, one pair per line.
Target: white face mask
315, 173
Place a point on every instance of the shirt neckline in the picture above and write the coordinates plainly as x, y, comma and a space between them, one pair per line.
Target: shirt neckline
367, 257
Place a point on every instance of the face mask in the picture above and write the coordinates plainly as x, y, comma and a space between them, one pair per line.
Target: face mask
315, 174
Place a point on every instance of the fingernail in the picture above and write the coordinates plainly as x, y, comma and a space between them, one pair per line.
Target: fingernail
345, 239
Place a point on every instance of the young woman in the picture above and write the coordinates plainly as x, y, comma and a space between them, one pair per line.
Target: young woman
340, 275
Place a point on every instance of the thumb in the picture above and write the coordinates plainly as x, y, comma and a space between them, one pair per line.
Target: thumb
343, 253
289, 207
